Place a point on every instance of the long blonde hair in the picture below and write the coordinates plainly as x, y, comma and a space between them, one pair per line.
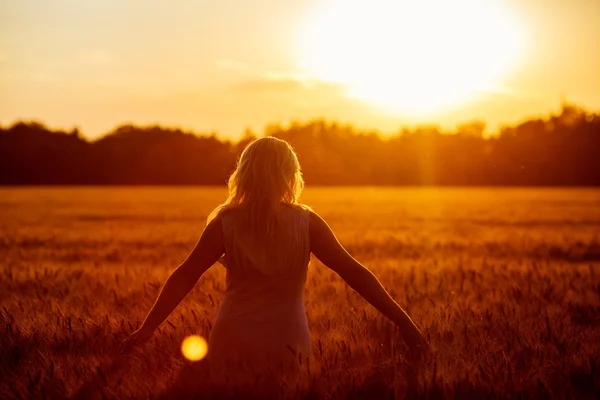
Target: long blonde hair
267, 174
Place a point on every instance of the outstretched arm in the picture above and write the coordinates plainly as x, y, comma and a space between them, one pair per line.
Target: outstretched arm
325, 246
181, 281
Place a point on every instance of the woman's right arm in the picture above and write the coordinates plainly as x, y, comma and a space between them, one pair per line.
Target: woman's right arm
325, 246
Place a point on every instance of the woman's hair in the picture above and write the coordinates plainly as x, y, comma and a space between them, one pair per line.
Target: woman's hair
267, 174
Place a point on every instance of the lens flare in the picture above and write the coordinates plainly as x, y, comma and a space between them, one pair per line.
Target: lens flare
194, 348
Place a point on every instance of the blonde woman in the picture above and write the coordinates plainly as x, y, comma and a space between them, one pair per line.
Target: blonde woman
264, 236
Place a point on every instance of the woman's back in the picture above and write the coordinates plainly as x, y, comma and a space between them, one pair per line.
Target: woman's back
261, 327
262, 314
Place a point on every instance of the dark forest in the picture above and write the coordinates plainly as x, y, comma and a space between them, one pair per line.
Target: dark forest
559, 150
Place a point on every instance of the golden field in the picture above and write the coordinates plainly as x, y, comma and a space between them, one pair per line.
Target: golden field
505, 282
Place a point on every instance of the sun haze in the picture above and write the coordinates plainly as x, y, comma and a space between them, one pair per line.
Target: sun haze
414, 56
227, 65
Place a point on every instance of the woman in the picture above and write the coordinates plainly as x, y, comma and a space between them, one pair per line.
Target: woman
264, 238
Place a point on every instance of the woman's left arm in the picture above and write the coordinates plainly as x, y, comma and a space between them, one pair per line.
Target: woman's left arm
207, 252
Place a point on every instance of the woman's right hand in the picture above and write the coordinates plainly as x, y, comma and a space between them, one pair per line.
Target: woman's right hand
417, 344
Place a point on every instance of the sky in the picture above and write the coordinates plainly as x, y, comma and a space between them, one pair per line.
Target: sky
224, 66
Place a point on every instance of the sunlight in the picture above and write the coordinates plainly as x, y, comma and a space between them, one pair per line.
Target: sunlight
194, 348
416, 56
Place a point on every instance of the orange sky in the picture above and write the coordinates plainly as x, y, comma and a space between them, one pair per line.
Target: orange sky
229, 64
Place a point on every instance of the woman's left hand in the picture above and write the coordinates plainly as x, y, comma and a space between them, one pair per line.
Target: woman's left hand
136, 338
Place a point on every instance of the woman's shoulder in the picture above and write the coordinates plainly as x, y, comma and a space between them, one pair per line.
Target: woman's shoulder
298, 207
224, 213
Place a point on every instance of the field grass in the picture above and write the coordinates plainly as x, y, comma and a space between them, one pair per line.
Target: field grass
504, 282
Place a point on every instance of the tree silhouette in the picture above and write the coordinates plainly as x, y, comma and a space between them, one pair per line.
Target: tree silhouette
560, 150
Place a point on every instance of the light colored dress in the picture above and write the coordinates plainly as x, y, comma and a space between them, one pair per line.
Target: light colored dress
262, 322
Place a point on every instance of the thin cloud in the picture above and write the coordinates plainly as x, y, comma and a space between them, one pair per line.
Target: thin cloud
288, 82
290, 95
265, 85
229, 65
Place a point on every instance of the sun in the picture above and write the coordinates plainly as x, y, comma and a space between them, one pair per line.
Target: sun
418, 56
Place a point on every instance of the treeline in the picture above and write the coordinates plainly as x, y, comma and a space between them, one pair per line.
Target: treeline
560, 150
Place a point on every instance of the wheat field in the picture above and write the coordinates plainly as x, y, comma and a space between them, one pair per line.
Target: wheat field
505, 283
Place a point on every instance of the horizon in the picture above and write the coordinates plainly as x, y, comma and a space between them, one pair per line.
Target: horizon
486, 133
210, 67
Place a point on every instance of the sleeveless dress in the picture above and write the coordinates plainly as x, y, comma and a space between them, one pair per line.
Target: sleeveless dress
261, 325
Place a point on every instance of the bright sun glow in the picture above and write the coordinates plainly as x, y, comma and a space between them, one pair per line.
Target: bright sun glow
418, 56
194, 347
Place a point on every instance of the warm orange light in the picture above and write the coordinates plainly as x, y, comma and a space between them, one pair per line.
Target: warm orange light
408, 55
194, 347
